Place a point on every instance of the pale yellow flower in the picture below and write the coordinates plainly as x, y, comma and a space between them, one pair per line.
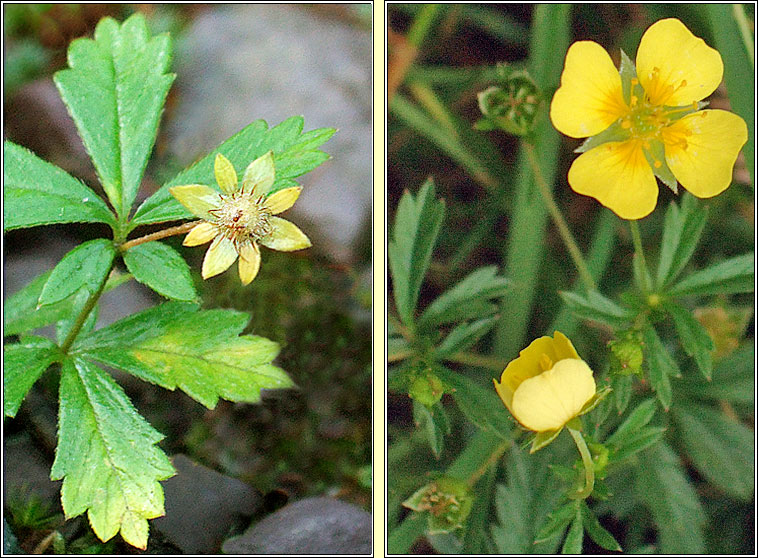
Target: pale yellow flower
547, 385
240, 218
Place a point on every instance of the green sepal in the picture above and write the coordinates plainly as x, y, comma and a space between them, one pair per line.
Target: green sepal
600, 394
613, 133
542, 439
628, 72
447, 502
656, 158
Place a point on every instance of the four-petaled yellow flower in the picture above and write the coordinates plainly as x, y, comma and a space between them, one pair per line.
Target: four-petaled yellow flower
651, 120
240, 218
547, 385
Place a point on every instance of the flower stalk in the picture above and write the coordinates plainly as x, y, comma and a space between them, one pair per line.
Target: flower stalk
589, 465
560, 222
164, 233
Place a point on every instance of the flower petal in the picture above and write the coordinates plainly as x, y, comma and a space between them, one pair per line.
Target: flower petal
590, 97
282, 200
527, 364
259, 175
701, 150
548, 401
618, 176
197, 198
285, 236
226, 176
675, 67
202, 233
250, 262
219, 257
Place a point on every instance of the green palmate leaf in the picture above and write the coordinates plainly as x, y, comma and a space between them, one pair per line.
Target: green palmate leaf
66, 323
523, 504
456, 303
682, 229
662, 484
475, 538
86, 266
639, 441
23, 363
20, 312
595, 306
200, 352
38, 193
107, 456
115, 89
557, 521
660, 365
295, 154
622, 391
463, 336
480, 405
161, 268
596, 531
633, 435
434, 423
638, 418
575, 536
721, 448
735, 275
694, 337
733, 379
417, 223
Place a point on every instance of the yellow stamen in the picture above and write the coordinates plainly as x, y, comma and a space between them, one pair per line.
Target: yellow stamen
545, 362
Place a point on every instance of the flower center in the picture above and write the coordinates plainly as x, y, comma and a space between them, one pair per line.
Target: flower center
243, 217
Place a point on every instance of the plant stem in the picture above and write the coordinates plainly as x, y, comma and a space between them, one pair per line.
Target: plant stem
739, 15
171, 231
88, 306
637, 241
589, 465
496, 454
560, 222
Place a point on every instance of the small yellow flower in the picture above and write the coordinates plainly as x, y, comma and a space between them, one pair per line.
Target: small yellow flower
239, 219
547, 385
650, 120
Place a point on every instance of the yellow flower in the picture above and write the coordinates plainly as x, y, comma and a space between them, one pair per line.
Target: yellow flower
547, 385
649, 118
240, 218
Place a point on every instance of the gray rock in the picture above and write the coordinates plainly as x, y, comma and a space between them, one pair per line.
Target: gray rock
237, 64
310, 526
202, 505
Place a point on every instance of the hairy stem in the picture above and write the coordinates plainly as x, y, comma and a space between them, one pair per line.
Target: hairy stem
171, 231
589, 465
82, 317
